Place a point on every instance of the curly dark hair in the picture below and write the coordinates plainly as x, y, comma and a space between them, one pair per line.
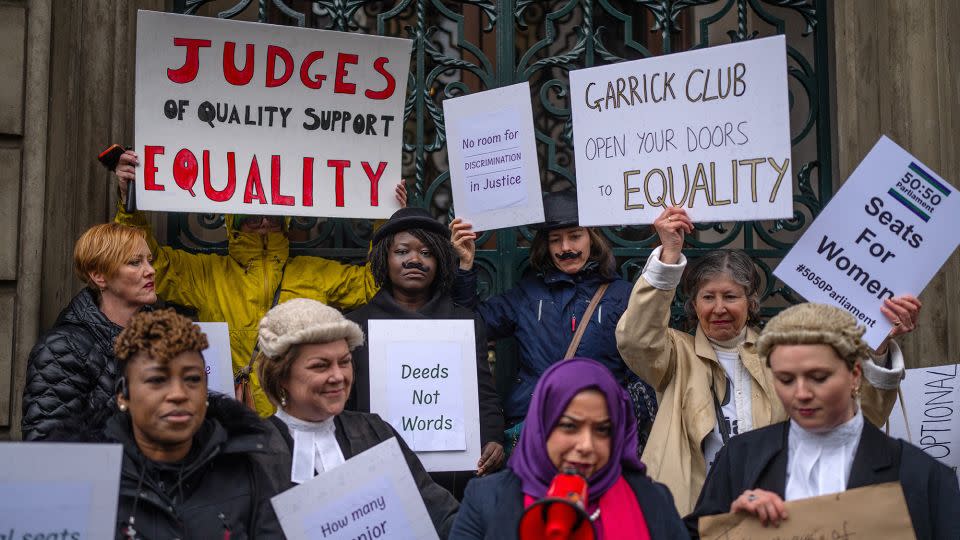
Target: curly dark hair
161, 334
439, 245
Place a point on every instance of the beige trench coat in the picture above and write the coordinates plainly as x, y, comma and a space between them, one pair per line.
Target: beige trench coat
681, 368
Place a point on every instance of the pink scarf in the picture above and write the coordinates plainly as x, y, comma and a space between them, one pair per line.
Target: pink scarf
620, 515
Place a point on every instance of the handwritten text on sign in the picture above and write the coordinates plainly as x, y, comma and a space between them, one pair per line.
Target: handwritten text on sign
706, 129
283, 121
932, 399
494, 172
887, 231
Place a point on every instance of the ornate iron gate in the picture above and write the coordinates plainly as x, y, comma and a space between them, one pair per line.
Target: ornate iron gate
471, 45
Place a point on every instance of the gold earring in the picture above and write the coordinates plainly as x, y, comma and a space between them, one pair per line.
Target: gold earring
856, 392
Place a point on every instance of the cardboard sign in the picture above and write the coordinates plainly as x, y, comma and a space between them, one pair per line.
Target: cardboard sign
372, 494
878, 511
252, 118
219, 363
887, 231
932, 399
494, 172
57, 490
423, 381
707, 129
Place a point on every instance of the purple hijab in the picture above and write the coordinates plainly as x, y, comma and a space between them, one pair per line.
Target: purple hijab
556, 387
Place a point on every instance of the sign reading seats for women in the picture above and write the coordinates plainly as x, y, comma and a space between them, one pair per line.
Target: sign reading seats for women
707, 129
251, 118
423, 381
494, 172
371, 496
57, 490
886, 232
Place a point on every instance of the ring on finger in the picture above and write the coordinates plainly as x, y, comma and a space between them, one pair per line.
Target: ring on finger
751, 497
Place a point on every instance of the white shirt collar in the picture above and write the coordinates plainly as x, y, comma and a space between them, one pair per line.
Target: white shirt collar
315, 447
820, 463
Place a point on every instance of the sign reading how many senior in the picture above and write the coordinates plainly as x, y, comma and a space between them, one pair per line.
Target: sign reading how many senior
423, 381
251, 118
887, 231
707, 129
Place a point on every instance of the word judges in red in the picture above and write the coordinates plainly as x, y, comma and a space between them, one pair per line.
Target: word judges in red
277, 56
185, 171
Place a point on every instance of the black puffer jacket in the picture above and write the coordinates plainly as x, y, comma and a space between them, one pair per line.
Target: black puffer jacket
71, 371
237, 463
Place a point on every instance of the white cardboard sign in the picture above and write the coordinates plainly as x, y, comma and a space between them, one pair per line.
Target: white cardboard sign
423, 381
372, 494
219, 363
887, 231
932, 399
494, 171
59, 490
707, 129
253, 118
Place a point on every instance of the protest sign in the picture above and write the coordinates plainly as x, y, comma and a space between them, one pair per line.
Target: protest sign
423, 381
372, 495
219, 363
878, 511
887, 231
494, 172
931, 397
707, 129
56, 490
254, 118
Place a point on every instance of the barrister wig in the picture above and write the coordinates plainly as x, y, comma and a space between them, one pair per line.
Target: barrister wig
439, 245
160, 334
815, 324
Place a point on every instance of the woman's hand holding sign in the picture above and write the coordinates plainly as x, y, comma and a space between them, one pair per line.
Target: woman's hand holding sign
903, 311
671, 226
464, 242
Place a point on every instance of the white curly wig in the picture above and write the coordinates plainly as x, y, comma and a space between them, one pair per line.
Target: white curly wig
815, 324
302, 320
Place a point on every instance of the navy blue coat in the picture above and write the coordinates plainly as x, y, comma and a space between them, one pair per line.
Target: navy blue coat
540, 312
758, 459
493, 506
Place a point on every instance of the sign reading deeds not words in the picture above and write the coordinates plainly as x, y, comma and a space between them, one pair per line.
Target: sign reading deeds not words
423, 381
707, 129
371, 496
494, 172
252, 118
57, 490
887, 231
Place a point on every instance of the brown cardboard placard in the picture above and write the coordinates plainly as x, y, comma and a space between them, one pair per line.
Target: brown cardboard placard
878, 511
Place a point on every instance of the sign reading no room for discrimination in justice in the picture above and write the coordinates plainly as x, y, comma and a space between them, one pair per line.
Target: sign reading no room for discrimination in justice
254, 118
707, 129
423, 381
887, 231
494, 173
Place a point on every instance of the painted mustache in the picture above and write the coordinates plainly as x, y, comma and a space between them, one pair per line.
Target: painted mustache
567, 255
415, 266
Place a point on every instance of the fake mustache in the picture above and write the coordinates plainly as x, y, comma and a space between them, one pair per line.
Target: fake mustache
567, 255
415, 266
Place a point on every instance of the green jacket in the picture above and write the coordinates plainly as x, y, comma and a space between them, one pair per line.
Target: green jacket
238, 288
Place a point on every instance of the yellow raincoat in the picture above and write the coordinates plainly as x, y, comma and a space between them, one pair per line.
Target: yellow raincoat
238, 288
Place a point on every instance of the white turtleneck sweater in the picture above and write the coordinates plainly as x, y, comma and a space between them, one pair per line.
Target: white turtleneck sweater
737, 404
315, 448
819, 463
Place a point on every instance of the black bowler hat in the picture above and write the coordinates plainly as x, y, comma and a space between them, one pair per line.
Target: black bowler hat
559, 211
408, 218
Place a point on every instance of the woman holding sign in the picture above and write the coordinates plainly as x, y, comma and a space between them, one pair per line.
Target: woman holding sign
717, 374
580, 425
816, 352
306, 368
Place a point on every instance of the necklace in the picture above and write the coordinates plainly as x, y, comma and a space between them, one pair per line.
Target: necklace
595, 515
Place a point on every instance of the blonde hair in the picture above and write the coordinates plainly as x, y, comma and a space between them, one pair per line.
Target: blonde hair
104, 249
815, 324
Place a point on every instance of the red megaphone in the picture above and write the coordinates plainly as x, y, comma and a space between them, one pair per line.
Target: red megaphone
561, 514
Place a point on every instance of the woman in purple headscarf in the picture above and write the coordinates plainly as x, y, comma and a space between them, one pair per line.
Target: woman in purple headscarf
579, 419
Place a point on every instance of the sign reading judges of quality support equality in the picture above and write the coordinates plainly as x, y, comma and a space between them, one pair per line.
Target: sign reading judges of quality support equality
932, 400
56, 490
423, 381
887, 231
254, 118
707, 129
494, 172
371, 496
